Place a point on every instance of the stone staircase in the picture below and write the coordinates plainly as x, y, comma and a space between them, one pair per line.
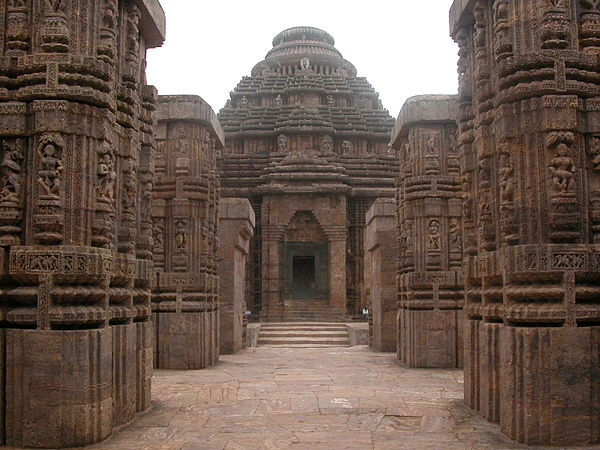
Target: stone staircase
304, 334
305, 311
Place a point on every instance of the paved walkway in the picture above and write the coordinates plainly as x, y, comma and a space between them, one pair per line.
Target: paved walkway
333, 398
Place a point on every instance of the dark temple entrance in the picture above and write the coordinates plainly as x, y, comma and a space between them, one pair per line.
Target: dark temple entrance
305, 269
303, 277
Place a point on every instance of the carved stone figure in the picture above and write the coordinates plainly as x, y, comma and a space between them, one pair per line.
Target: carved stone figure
282, 143
433, 236
278, 101
106, 174
507, 179
346, 147
562, 169
50, 150
12, 176
327, 144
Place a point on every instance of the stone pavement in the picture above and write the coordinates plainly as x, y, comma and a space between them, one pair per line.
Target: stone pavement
302, 398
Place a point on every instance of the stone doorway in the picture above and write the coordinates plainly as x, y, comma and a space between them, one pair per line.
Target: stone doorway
303, 277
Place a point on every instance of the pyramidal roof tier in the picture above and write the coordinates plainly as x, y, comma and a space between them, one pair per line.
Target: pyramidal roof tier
304, 48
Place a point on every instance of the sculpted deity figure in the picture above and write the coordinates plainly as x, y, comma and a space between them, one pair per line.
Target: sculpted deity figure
244, 102
327, 144
346, 147
50, 164
106, 174
507, 179
467, 185
133, 32
282, 143
279, 101
180, 235
455, 235
330, 100
433, 237
158, 233
12, 176
562, 170
130, 186
305, 63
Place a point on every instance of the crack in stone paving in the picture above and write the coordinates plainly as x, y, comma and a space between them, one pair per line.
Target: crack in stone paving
302, 398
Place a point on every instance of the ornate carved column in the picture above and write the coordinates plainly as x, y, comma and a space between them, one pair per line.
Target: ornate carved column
185, 298
430, 234
75, 302
531, 360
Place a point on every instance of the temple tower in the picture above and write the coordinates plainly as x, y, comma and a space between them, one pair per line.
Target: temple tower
75, 227
306, 141
185, 301
529, 126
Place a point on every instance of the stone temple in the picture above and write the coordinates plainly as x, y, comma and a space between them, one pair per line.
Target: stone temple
306, 141
147, 242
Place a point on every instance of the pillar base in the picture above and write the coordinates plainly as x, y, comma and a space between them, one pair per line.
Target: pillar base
58, 387
186, 341
430, 339
549, 385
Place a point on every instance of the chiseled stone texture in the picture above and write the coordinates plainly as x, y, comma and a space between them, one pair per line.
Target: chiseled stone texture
185, 216
321, 399
529, 144
76, 162
381, 254
306, 141
430, 280
236, 227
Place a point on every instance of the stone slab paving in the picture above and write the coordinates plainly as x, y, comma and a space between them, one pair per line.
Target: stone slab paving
333, 399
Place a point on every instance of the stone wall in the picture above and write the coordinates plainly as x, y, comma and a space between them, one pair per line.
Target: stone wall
529, 95
381, 254
185, 300
75, 230
236, 226
430, 283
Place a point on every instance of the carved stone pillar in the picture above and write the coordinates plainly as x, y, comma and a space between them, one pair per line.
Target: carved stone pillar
430, 279
75, 302
529, 154
185, 299
381, 254
236, 227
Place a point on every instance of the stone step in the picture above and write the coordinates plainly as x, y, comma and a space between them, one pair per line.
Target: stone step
305, 329
303, 345
301, 323
302, 333
340, 341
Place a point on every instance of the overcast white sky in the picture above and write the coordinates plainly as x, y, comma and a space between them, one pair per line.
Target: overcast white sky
402, 46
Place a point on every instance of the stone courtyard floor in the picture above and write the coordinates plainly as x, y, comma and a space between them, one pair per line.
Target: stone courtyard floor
299, 398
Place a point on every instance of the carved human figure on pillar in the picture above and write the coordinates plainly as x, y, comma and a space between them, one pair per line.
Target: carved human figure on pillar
133, 33
181, 235
346, 147
455, 235
12, 176
433, 236
130, 187
507, 180
106, 175
51, 167
327, 144
467, 186
279, 101
562, 170
244, 102
282, 143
